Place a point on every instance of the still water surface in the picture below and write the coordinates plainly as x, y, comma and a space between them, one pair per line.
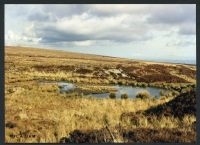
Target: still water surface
131, 91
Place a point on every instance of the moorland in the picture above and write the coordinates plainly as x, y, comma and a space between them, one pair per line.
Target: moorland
38, 112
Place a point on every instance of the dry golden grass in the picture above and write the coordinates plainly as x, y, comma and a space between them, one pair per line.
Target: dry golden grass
39, 113
41, 105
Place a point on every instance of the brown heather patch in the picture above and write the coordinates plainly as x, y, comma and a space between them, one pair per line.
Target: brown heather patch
168, 78
147, 135
54, 68
184, 104
138, 135
84, 71
40, 114
187, 71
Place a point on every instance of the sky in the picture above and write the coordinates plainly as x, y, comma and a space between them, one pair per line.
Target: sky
137, 31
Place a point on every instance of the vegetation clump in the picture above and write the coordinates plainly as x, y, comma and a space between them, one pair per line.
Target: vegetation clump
112, 95
142, 135
33, 108
143, 95
184, 104
124, 96
10, 124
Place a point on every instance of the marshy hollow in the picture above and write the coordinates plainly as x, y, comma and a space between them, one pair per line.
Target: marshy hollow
117, 90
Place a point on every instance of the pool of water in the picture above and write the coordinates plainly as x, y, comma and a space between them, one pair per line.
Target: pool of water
129, 90
64, 87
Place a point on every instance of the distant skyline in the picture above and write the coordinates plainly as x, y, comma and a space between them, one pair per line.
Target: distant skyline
137, 31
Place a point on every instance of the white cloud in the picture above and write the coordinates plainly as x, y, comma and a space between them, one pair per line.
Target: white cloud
84, 43
92, 26
17, 39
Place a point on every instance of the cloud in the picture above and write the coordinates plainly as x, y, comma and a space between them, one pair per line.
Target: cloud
88, 27
38, 17
84, 43
174, 14
134, 28
187, 29
185, 43
15, 39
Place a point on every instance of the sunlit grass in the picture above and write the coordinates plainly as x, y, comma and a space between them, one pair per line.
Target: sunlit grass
41, 110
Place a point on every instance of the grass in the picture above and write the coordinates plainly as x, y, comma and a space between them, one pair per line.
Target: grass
63, 114
38, 113
124, 96
143, 95
112, 95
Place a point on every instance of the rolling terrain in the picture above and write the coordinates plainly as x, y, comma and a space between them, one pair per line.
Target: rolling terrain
36, 112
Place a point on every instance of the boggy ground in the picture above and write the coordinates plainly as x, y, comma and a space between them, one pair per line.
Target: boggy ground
142, 126
39, 113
